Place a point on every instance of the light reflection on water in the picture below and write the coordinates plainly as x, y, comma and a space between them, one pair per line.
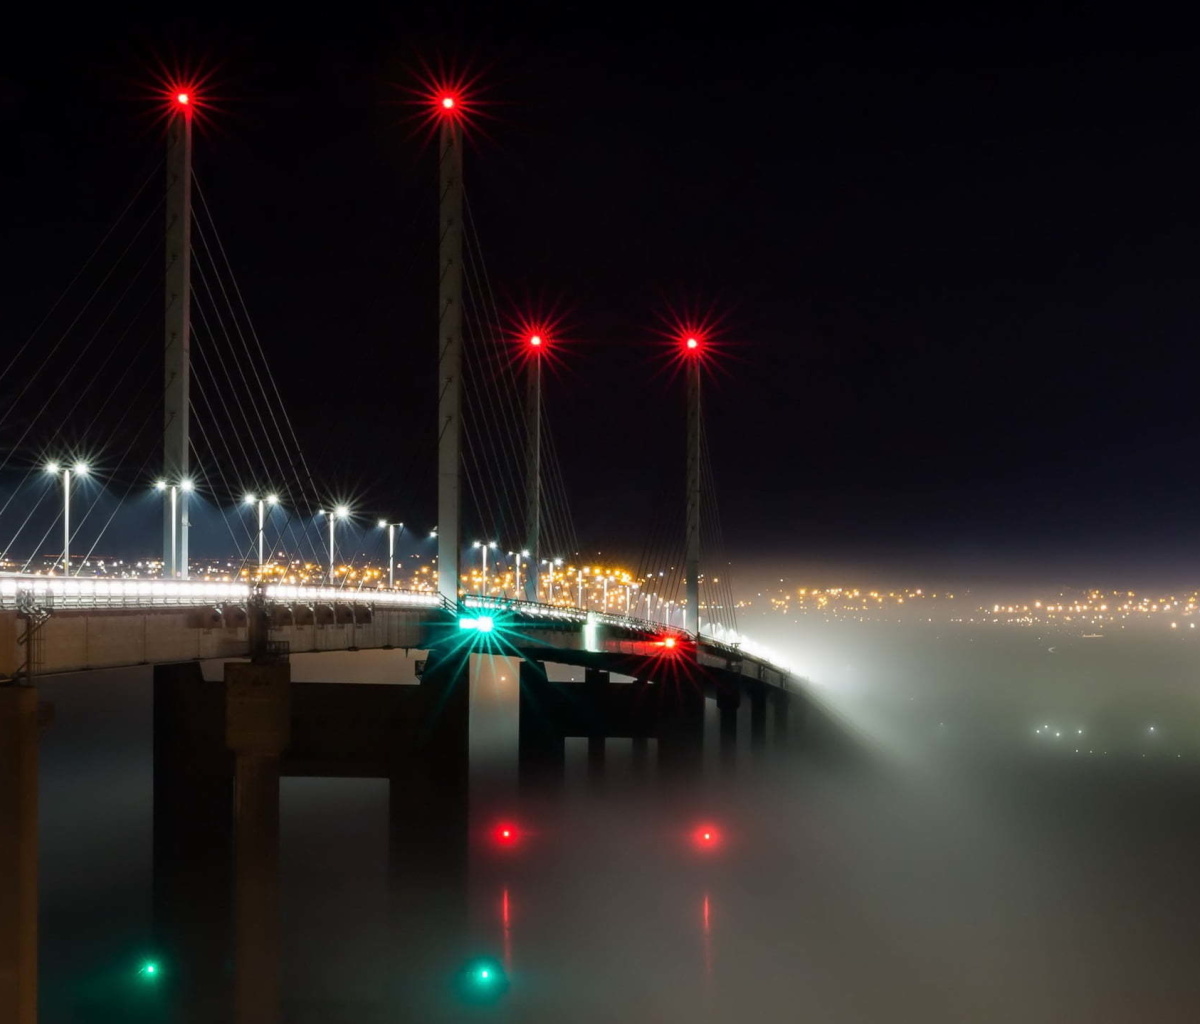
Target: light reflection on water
932, 873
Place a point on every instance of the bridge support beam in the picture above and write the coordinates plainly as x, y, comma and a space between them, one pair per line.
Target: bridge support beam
541, 744
782, 710
257, 730
193, 841
680, 730
595, 683
758, 719
728, 702
18, 854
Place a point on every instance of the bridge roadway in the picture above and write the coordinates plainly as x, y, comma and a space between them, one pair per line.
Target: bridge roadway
98, 623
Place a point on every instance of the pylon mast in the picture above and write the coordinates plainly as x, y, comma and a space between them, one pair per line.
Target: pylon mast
692, 529
177, 354
449, 356
533, 472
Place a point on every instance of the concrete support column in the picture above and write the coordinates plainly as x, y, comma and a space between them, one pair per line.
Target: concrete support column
541, 744
641, 756
257, 730
681, 730
595, 683
728, 702
758, 719
783, 707
193, 842
18, 854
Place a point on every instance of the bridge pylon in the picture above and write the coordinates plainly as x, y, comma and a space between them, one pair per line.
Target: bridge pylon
450, 288
177, 335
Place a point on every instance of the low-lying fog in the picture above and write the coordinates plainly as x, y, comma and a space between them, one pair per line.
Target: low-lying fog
973, 824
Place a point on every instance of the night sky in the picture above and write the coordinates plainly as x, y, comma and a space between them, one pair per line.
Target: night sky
954, 257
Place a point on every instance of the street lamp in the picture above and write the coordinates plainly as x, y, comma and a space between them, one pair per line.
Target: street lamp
335, 513
551, 564
391, 529
517, 582
484, 549
262, 503
172, 495
79, 469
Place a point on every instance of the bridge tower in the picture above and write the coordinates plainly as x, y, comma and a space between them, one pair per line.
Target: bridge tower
450, 244
536, 344
177, 354
693, 351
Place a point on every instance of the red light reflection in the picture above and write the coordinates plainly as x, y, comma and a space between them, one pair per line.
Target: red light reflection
506, 834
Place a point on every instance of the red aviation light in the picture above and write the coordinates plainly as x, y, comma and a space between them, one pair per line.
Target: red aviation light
447, 102
692, 343
706, 837
535, 340
183, 98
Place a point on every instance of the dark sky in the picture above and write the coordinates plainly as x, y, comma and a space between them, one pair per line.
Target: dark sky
954, 255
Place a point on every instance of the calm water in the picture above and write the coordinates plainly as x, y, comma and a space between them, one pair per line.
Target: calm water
924, 854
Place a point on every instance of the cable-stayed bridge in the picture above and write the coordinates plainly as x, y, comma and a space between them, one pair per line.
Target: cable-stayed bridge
213, 419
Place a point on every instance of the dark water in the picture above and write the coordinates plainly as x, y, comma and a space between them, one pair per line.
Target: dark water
922, 854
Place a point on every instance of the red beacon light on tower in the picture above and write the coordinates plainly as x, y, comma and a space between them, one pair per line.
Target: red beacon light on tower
706, 837
535, 340
692, 344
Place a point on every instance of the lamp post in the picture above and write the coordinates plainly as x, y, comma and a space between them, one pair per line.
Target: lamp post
484, 549
518, 555
551, 564
79, 469
335, 513
262, 503
171, 493
391, 529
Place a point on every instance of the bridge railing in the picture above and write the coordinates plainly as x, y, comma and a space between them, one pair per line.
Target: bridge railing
92, 592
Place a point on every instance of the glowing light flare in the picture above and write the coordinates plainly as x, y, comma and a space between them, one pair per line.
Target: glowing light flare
707, 836
506, 835
447, 98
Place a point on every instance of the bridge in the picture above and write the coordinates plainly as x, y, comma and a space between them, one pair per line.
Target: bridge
475, 665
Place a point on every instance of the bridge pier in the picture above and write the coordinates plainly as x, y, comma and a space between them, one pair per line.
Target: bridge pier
782, 710
728, 701
595, 685
758, 718
680, 729
193, 842
19, 726
541, 749
257, 730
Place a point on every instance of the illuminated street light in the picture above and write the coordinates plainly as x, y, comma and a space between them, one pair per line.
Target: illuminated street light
262, 503
517, 581
551, 564
484, 549
171, 492
79, 469
391, 529
336, 513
